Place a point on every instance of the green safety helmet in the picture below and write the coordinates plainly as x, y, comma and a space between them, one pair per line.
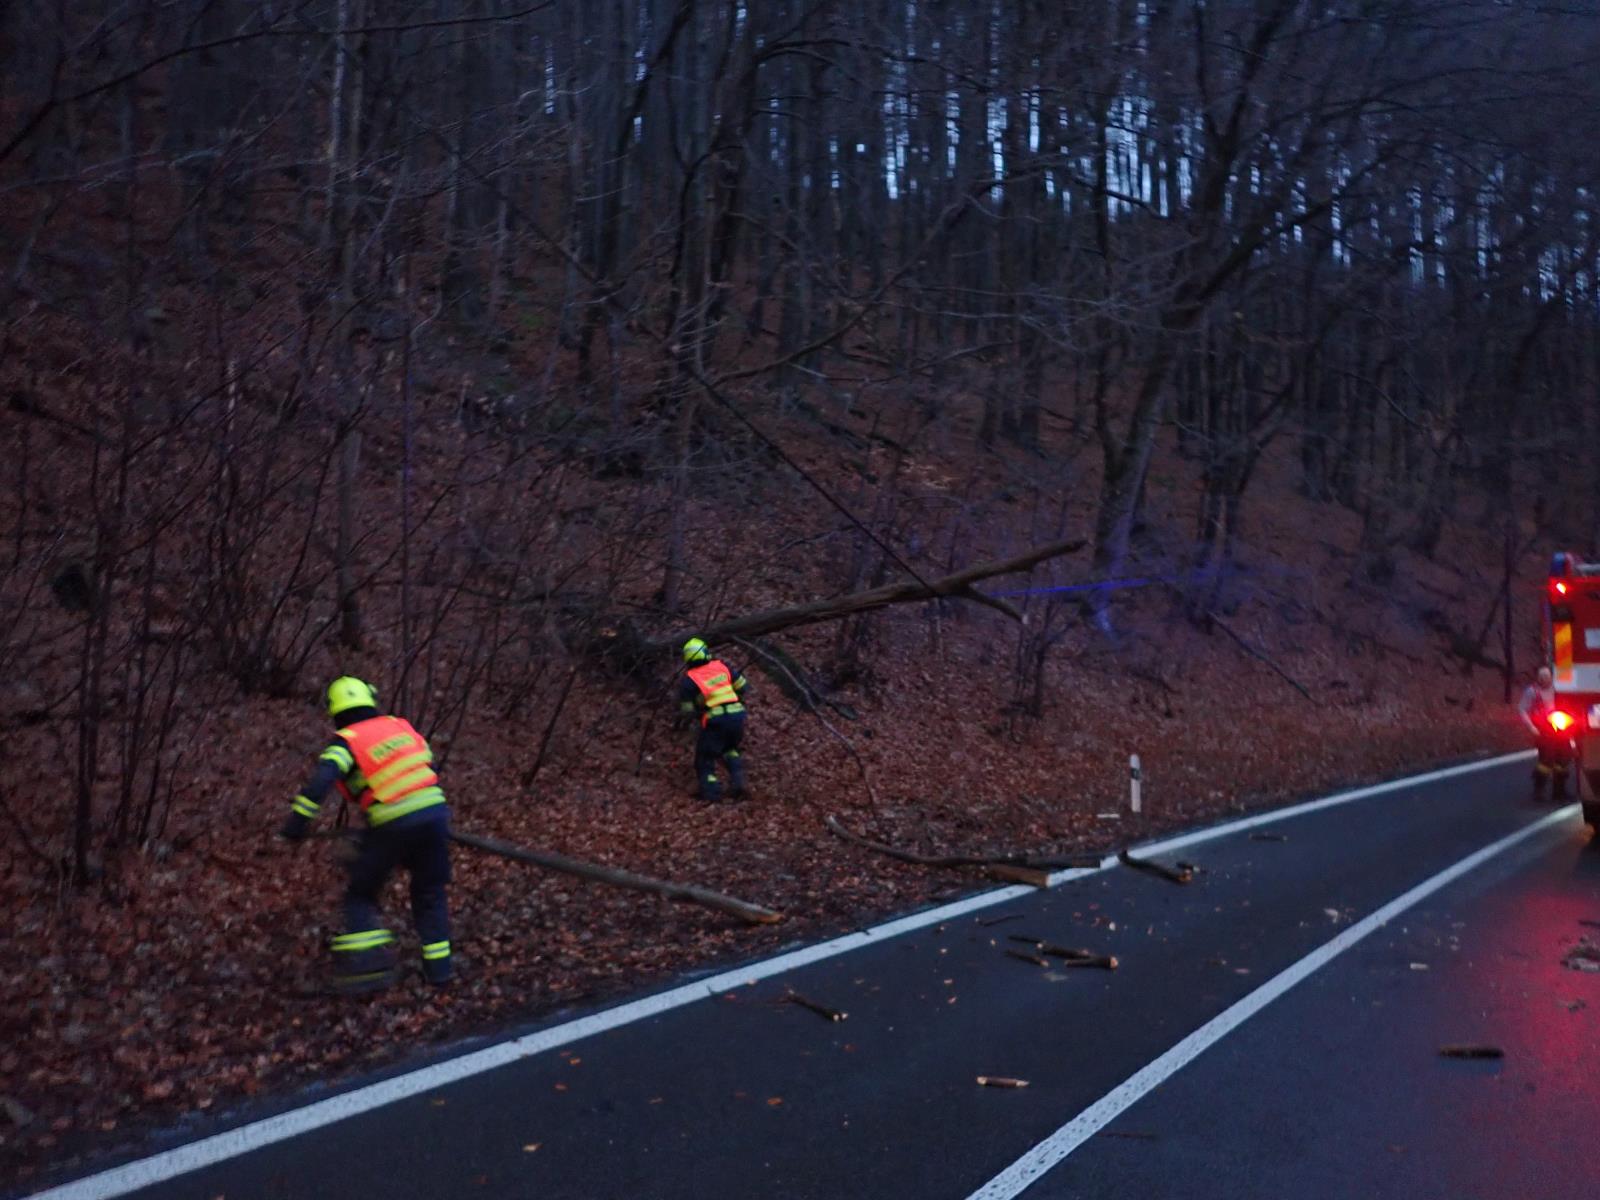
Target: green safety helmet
696, 651
347, 692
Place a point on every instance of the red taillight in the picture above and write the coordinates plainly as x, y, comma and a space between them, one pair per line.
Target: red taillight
1560, 721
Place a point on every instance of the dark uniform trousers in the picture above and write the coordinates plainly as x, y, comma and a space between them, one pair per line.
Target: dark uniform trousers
1554, 757
420, 843
719, 738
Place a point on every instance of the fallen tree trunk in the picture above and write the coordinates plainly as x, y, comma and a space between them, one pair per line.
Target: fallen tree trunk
1027, 862
744, 910
958, 585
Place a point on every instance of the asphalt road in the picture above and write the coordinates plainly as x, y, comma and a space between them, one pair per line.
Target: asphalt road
1334, 1089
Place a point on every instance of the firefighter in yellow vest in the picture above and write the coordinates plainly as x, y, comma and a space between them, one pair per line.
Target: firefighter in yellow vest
711, 689
383, 765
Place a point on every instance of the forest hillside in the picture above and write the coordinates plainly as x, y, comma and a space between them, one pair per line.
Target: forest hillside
486, 350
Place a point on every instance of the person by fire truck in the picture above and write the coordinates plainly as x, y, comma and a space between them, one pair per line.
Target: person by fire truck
1551, 727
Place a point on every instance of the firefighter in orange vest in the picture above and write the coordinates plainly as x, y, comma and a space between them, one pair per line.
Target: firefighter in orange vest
712, 689
384, 765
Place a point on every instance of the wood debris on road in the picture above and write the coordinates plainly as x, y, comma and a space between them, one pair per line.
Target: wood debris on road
1585, 956
822, 1010
1027, 958
1471, 1052
1106, 962
1072, 957
1184, 873
1001, 1081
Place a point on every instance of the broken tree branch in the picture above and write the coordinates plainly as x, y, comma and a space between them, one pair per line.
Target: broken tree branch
1261, 657
1212, 620
958, 585
1071, 957
1011, 873
1027, 958
1184, 875
1026, 861
822, 1010
744, 910
816, 711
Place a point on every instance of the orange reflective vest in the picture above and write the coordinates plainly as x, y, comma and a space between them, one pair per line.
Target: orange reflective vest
715, 682
394, 761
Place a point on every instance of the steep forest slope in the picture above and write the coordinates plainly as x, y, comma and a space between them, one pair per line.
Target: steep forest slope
485, 356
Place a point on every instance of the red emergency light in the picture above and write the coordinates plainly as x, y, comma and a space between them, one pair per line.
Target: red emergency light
1561, 721
1557, 588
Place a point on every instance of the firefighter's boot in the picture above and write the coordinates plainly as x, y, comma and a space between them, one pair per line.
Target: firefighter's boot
437, 968
1558, 785
363, 961
735, 762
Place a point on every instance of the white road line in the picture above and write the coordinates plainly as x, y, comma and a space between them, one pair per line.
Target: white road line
1280, 814
1033, 1165
118, 1181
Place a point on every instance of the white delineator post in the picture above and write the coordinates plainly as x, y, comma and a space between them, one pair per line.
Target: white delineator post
1134, 781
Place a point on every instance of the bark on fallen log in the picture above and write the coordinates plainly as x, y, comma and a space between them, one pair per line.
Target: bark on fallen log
1026, 862
742, 909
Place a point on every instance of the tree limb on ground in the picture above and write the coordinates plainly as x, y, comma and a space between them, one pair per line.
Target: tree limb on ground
957, 586
742, 909
1261, 657
1461, 645
1343, 630
1210, 618
816, 711
1026, 861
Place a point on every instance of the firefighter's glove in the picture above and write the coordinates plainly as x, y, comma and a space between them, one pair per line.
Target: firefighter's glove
295, 828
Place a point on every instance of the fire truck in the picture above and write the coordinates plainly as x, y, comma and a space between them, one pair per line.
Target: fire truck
1572, 646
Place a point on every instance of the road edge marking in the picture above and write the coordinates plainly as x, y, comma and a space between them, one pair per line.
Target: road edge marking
1048, 1154
1184, 840
219, 1147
